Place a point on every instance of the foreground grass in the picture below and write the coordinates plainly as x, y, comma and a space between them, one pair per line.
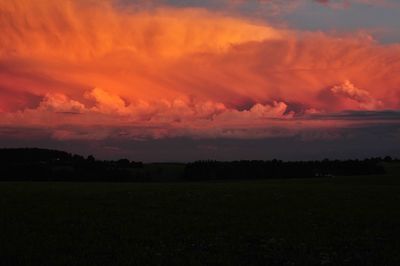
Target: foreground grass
339, 221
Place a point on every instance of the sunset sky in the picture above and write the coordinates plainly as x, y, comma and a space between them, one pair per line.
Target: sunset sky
174, 80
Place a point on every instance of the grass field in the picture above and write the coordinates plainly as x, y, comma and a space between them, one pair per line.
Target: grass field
336, 221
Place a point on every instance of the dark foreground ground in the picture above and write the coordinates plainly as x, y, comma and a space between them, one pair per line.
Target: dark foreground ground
332, 221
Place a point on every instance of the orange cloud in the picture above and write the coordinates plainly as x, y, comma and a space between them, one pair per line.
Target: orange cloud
181, 71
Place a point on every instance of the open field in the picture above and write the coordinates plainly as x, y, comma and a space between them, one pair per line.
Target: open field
335, 221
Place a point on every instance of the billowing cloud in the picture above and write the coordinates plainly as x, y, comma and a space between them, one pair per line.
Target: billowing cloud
362, 97
77, 66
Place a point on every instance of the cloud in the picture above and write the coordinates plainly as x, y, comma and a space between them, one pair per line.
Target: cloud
380, 116
68, 119
362, 97
60, 103
107, 102
339, 4
77, 66
335, 3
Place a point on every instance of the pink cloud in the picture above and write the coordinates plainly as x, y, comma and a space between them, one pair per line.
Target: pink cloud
186, 72
362, 97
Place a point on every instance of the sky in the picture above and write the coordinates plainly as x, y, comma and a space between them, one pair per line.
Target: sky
174, 80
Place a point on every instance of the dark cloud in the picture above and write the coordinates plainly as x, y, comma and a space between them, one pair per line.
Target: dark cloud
11, 100
366, 140
385, 115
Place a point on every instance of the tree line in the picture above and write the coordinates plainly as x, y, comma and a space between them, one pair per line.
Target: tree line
209, 170
32, 164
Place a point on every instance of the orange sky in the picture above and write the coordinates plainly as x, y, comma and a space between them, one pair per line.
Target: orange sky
182, 72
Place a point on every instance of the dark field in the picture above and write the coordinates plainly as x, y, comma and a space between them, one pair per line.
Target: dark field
332, 221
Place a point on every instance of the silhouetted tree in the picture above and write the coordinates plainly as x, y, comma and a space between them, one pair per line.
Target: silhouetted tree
52, 165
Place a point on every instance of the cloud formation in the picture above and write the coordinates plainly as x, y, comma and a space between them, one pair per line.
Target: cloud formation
362, 97
74, 66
